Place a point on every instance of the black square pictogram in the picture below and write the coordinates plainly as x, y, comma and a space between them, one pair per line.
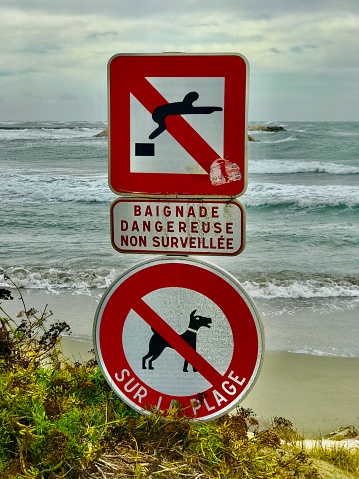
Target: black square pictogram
144, 149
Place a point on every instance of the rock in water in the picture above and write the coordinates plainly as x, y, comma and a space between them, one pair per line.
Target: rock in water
266, 128
102, 133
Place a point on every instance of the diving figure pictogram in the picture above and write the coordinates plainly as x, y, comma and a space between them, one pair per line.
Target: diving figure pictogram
184, 107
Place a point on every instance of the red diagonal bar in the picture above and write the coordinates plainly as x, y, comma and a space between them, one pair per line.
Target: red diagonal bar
177, 126
177, 343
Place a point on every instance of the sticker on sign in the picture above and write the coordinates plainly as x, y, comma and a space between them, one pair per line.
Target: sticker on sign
179, 331
177, 124
177, 227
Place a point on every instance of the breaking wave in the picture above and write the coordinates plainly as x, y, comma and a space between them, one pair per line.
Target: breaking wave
17, 187
300, 196
86, 281
290, 166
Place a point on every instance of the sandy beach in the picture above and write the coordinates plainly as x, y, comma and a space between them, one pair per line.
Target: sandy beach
318, 394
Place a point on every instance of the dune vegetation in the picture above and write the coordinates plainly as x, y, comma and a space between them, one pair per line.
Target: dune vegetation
60, 419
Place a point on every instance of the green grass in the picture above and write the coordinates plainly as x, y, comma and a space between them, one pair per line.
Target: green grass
344, 459
60, 419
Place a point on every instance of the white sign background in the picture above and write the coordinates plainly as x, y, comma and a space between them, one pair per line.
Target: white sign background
169, 156
175, 305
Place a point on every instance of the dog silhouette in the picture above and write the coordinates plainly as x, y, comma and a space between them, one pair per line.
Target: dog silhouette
157, 344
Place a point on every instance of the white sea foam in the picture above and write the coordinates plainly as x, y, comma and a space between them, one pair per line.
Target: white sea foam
84, 280
295, 289
62, 188
298, 166
282, 140
342, 133
47, 133
334, 352
57, 280
302, 196
94, 188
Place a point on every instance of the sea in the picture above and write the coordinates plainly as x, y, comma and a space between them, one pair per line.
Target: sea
300, 264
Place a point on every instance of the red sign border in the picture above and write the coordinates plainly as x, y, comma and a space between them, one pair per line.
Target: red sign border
177, 252
114, 353
125, 70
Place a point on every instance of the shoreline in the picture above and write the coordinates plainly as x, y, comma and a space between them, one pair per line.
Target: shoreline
317, 393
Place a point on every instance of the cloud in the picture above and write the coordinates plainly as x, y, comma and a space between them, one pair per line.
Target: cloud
68, 97
258, 9
72, 37
301, 48
274, 50
63, 48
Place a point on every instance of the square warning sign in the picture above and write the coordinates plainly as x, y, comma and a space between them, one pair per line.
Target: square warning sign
177, 124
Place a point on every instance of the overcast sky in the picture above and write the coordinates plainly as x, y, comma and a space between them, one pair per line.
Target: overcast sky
303, 54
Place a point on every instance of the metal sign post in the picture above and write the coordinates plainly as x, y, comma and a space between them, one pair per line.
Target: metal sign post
177, 330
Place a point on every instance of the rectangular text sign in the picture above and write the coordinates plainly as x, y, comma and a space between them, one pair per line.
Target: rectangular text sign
177, 227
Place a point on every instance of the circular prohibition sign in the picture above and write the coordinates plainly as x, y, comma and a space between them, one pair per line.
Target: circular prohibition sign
178, 331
